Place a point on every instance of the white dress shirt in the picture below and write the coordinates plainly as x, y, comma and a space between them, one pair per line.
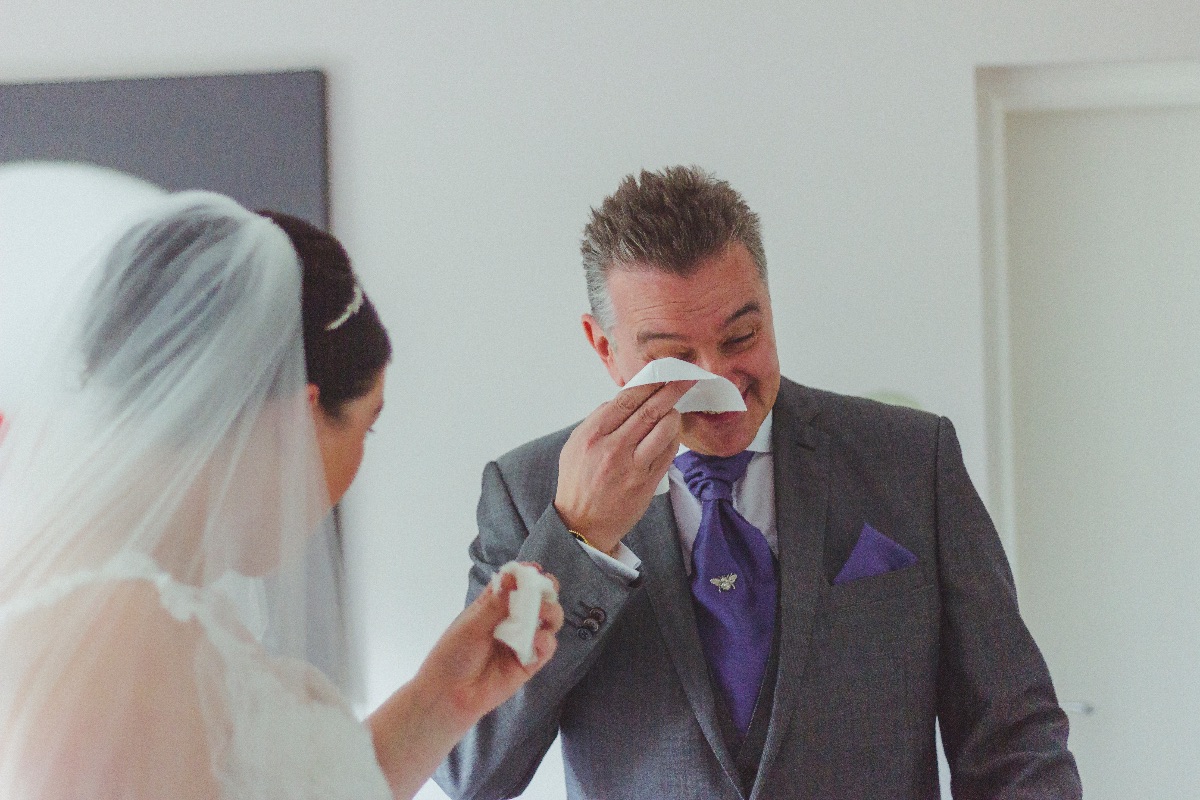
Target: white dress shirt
753, 498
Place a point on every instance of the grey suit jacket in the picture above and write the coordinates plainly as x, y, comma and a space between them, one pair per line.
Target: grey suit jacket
864, 667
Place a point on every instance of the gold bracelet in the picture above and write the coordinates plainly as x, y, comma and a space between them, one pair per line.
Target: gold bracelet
580, 537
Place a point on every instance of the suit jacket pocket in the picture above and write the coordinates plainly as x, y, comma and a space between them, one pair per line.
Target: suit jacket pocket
874, 589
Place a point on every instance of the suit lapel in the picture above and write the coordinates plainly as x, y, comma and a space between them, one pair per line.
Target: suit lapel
656, 542
801, 500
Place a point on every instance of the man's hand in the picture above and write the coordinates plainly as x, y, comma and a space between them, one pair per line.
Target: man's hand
612, 463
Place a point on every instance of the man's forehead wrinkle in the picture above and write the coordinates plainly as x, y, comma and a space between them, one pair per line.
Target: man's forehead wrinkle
753, 307
650, 327
652, 305
652, 336
657, 321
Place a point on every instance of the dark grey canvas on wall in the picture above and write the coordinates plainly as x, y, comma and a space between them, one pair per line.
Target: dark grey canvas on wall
259, 138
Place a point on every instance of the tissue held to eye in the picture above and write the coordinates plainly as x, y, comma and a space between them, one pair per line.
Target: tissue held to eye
711, 394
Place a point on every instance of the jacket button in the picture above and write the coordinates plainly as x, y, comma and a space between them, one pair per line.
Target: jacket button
584, 634
590, 624
597, 614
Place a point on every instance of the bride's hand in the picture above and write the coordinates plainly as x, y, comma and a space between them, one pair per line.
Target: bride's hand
467, 674
471, 669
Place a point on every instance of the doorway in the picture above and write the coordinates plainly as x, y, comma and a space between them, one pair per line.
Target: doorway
1091, 212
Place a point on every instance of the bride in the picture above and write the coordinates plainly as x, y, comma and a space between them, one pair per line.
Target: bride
206, 406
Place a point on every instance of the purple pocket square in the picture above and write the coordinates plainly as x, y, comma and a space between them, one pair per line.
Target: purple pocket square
874, 554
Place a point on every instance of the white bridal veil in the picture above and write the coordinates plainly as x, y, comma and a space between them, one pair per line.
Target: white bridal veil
167, 445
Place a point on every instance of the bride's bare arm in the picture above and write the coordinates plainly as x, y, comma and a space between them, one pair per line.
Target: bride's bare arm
467, 674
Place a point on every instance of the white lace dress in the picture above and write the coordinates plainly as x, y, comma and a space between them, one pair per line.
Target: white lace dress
278, 729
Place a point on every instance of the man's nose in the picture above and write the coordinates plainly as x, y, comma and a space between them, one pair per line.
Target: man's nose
715, 363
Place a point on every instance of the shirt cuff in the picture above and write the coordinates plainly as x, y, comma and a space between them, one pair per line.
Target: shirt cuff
623, 564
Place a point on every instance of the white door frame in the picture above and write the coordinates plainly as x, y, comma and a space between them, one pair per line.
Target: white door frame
1000, 91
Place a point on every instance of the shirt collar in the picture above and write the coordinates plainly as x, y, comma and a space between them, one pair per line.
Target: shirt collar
762, 439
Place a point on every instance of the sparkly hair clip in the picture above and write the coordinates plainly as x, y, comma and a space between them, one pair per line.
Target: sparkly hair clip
355, 304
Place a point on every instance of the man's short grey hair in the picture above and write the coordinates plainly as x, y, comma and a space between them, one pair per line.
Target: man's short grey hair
668, 221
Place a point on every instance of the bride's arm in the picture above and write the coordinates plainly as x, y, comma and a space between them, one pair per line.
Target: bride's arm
467, 674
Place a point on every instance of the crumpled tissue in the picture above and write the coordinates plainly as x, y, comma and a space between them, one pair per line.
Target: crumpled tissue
524, 608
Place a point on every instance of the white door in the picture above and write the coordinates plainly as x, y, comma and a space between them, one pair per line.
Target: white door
1101, 237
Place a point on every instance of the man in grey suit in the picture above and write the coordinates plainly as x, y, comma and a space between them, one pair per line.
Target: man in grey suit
889, 604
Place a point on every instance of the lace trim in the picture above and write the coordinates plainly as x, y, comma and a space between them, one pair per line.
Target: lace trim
181, 602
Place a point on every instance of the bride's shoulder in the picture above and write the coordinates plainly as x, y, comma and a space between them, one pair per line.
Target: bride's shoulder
114, 643
114, 619
113, 680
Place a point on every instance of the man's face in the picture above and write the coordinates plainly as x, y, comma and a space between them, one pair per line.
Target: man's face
718, 318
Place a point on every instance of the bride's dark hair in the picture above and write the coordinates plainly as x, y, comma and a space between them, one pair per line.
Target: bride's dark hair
343, 362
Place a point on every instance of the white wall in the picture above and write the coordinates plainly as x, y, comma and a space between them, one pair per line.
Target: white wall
469, 140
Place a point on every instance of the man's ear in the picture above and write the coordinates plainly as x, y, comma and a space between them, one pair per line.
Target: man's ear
314, 394
603, 346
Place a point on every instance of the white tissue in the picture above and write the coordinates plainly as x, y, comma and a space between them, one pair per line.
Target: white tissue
712, 393
524, 608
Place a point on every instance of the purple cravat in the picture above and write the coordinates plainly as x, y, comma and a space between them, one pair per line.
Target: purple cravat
733, 583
